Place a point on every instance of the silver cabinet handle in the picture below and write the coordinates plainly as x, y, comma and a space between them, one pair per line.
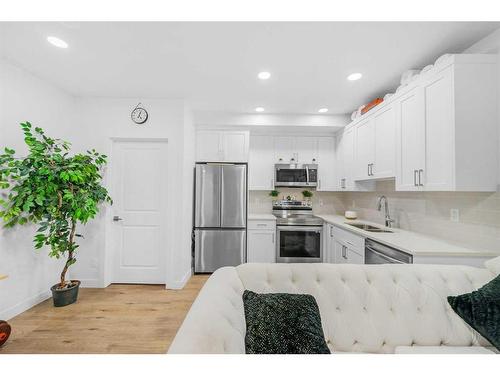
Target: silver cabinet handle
344, 252
331, 231
117, 218
261, 225
371, 169
319, 184
368, 169
420, 172
415, 172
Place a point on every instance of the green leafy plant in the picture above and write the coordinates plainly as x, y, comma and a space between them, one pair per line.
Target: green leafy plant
52, 189
307, 194
274, 193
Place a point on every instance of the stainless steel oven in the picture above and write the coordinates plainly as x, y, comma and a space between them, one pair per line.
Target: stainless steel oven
299, 244
298, 175
299, 233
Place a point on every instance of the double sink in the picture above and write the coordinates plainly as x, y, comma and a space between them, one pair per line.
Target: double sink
370, 228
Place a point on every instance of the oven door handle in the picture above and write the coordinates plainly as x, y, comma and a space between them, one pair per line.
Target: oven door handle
383, 256
291, 228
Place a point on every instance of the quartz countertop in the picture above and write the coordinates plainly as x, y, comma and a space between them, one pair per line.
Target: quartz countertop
261, 217
410, 242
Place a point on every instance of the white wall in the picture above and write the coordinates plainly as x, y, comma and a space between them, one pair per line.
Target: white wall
24, 97
490, 44
101, 119
90, 123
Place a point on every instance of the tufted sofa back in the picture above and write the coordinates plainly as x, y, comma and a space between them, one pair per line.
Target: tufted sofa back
364, 308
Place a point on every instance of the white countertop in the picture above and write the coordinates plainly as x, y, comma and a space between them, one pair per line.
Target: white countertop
409, 242
261, 217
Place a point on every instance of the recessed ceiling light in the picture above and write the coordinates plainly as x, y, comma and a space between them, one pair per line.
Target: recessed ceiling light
354, 76
323, 110
259, 109
57, 42
264, 75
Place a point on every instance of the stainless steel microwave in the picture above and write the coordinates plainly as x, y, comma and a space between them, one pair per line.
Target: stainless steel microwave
296, 175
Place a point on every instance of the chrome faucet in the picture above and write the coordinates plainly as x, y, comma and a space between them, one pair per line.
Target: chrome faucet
388, 220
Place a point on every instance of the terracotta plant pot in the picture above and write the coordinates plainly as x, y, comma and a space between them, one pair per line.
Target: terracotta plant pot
4, 332
67, 296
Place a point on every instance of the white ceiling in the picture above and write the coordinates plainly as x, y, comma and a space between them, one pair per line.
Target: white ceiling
214, 65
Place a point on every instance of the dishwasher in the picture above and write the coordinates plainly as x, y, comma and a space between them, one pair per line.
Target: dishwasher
377, 253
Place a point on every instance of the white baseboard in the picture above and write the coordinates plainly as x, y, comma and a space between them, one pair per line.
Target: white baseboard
90, 283
179, 284
27, 304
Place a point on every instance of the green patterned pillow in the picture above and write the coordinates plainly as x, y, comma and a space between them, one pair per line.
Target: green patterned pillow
282, 323
481, 310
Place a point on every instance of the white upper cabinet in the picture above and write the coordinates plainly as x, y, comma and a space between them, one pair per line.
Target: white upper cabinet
296, 149
411, 143
261, 163
306, 150
375, 147
326, 164
384, 146
364, 149
447, 126
284, 150
222, 146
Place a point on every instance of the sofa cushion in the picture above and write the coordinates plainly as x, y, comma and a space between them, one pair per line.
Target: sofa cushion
282, 323
481, 310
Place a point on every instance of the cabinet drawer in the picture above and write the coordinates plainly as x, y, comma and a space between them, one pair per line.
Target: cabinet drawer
349, 239
262, 224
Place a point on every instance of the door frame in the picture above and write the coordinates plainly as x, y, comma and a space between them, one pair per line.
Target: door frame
109, 245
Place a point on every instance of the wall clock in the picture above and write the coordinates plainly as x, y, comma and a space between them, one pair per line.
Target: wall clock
139, 115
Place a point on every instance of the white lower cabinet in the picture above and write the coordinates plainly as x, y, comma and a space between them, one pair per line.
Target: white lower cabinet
261, 246
342, 246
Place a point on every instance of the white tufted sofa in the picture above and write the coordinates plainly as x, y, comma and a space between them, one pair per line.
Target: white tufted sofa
364, 308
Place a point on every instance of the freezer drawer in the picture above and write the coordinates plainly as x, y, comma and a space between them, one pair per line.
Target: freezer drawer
218, 248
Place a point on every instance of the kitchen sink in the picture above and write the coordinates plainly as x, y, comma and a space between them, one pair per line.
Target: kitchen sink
370, 228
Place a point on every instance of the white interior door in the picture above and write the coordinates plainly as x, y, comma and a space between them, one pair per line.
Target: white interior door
139, 212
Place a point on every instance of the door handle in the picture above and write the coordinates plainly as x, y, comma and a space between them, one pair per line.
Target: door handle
420, 172
415, 172
117, 218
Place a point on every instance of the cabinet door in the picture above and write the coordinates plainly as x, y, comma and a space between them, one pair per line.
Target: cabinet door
235, 146
306, 150
348, 158
209, 146
384, 124
339, 162
364, 149
410, 140
261, 163
438, 173
261, 246
284, 149
326, 164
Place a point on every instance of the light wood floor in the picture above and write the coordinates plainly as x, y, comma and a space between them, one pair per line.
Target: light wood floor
117, 319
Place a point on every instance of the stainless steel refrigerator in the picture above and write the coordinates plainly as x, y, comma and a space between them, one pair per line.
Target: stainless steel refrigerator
220, 216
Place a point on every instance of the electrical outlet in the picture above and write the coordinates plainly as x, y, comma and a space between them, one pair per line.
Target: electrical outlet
454, 215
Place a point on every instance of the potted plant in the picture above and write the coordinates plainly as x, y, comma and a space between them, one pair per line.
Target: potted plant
307, 195
56, 191
274, 194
